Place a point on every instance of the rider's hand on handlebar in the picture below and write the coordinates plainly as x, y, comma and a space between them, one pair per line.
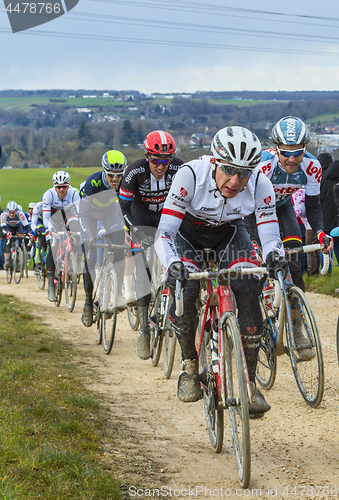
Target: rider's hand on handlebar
326, 242
9, 235
177, 271
275, 263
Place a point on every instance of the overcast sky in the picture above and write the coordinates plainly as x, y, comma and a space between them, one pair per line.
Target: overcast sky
177, 46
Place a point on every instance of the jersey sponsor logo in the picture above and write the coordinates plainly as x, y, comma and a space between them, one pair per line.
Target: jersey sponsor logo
266, 168
177, 197
207, 209
267, 200
183, 192
128, 194
314, 170
154, 199
266, 214
133, 172
286, 190
95, 183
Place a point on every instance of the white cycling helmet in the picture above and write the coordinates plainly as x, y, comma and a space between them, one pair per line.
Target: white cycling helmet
12, 206
60, 178
238, 146
31, 205
20, 208
290, 130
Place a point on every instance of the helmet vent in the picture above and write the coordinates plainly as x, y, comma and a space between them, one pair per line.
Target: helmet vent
231, 148
252, 153
242, 150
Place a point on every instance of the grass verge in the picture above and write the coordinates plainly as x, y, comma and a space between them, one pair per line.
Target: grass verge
52, 429
325, 284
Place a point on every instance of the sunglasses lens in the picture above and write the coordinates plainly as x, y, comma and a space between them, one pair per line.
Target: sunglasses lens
229, 170
288, 154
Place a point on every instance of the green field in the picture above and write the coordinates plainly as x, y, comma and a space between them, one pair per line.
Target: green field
26, 185
323, 119
26, 103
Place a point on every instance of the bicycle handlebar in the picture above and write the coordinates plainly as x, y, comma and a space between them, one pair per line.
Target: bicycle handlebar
233, 273
311, 248
111, 246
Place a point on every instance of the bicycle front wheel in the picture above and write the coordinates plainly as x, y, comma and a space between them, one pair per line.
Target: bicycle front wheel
109, 311
169, 349
237, 399
17, 265
304, 348
267, 359
71, 283
156, 334
40, 270
214, 416
24, 260
58, 289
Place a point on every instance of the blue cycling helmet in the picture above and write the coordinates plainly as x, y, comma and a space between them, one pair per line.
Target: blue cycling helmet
290, 130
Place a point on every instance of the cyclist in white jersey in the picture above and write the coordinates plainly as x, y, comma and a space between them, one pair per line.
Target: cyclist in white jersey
204, 209
59, 199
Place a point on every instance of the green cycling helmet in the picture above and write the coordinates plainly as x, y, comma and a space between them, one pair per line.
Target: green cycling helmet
114, 161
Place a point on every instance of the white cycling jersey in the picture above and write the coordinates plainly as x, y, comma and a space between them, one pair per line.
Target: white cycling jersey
37, 212
308, 176
52, 203
194, 195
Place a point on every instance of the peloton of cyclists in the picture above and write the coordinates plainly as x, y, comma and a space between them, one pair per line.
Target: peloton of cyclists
60, 200
144, 187
204, 209
13, 221
99, 197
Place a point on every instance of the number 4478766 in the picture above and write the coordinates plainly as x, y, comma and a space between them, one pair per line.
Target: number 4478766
34, 8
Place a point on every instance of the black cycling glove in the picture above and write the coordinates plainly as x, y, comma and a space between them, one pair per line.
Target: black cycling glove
275, 263
177, 271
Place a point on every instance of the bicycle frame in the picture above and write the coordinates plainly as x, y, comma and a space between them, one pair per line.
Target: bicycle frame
222, 296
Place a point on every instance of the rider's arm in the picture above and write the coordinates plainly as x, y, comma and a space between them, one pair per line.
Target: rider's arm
126, 195
178, 199
314, 213
266, 217
46, 210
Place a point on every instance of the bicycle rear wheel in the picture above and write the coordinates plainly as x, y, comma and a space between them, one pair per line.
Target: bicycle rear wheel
237, 400
156, 334
71, 282
58, 289
132, 314
267, 360
17, 265
309, 374
109, 311
41, 271
214, 416
169, 349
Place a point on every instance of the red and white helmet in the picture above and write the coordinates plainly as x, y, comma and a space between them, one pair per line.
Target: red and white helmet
159, 143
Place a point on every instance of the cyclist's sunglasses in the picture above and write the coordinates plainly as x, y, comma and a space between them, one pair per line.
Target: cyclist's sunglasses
114, 174
159, 161
61, 186
230, 170
295, 152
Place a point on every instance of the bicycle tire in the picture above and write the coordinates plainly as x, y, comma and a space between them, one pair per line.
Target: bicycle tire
9, 271
309, 374
170, 343
58, 290
109, 311
24, 260
40, 273
237, 400
71, 283
214, 416
17, 265
266, 370
156, 334
338, 339
132, 314
98, 321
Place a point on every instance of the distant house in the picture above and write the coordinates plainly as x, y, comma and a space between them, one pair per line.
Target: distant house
83, 110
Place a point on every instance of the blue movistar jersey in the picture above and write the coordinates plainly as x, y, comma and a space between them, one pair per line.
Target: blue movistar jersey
94, 184
308, 176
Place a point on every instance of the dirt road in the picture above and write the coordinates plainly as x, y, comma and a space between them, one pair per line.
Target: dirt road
168, 445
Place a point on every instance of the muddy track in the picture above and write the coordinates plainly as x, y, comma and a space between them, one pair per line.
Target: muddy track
166, 441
